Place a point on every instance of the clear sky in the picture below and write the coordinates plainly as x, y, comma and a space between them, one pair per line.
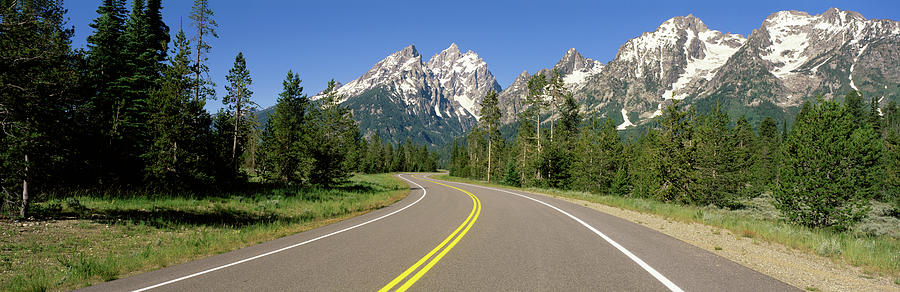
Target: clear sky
336, 39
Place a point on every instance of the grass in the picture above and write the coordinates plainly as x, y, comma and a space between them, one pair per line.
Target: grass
874, 253
90, 239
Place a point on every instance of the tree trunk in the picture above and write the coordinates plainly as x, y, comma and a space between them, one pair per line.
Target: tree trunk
237, 113
24, 209
199, 47
489, 159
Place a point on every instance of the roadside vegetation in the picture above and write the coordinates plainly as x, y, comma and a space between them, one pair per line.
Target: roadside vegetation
89, 238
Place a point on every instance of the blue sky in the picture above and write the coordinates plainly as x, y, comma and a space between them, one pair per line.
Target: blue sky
321, 40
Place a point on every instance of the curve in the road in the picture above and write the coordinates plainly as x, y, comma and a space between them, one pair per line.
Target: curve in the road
464, 228
425, 192
660, 277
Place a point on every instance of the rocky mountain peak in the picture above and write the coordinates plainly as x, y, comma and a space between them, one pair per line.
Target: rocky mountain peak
463, 78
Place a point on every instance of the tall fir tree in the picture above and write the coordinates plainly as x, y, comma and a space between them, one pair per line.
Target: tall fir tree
238, 99
202, 17
717, 162
335, 133
177, 155
490, 122
283, 145
676, 155
766, 154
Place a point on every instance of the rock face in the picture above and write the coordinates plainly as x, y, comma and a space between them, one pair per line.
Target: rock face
791, 58
402, 96
794, 56
673, 62
574, 69
463, 78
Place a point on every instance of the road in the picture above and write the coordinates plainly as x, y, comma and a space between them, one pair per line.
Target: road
458, 237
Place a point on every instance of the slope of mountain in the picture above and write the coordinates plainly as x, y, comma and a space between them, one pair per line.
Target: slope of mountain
402, 96
574, 69
794, 55
672, 62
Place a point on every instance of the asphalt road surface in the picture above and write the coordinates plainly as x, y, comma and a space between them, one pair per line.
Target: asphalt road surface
448, 236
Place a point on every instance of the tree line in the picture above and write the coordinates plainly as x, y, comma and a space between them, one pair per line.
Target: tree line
823, 172
128, 112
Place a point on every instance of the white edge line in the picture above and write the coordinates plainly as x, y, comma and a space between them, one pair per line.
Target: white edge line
662, 279
288, 247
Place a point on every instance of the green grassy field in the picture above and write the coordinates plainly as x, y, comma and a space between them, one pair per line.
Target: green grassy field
874, 253
89, 239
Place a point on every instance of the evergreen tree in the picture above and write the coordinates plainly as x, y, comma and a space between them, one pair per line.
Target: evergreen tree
829, 167
334, 134
645, 166
158, 39
202, 17
238, 99
283, 146
598, 158
854, 104
115, 112
534, 106
767, 152
891, 134
490, 122
717, 162
37, 73
676, 156
177, 155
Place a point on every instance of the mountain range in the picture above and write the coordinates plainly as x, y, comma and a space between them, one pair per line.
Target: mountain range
792, 57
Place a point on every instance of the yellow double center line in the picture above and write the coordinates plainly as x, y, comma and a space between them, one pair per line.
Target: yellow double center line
455, 237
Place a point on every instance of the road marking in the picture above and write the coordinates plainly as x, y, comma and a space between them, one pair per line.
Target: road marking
662, 279
465, 226
288, 247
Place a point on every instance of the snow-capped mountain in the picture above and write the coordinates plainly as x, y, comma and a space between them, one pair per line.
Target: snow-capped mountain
794, 55
791, 58
672, 62
462, 78
574, 69
402, 95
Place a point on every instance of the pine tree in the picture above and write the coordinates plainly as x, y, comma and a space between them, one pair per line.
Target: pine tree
238, 99
334, 134
112, 116
829, 168
534, 106
202, 17
766, 155
853, 101
598, 158
158, 39
676, 155
37, 73
283, 145
716, 177
645, 165
177, 155
490, 122
745, 157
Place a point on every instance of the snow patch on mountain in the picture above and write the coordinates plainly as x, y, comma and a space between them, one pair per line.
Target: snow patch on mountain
627, 123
